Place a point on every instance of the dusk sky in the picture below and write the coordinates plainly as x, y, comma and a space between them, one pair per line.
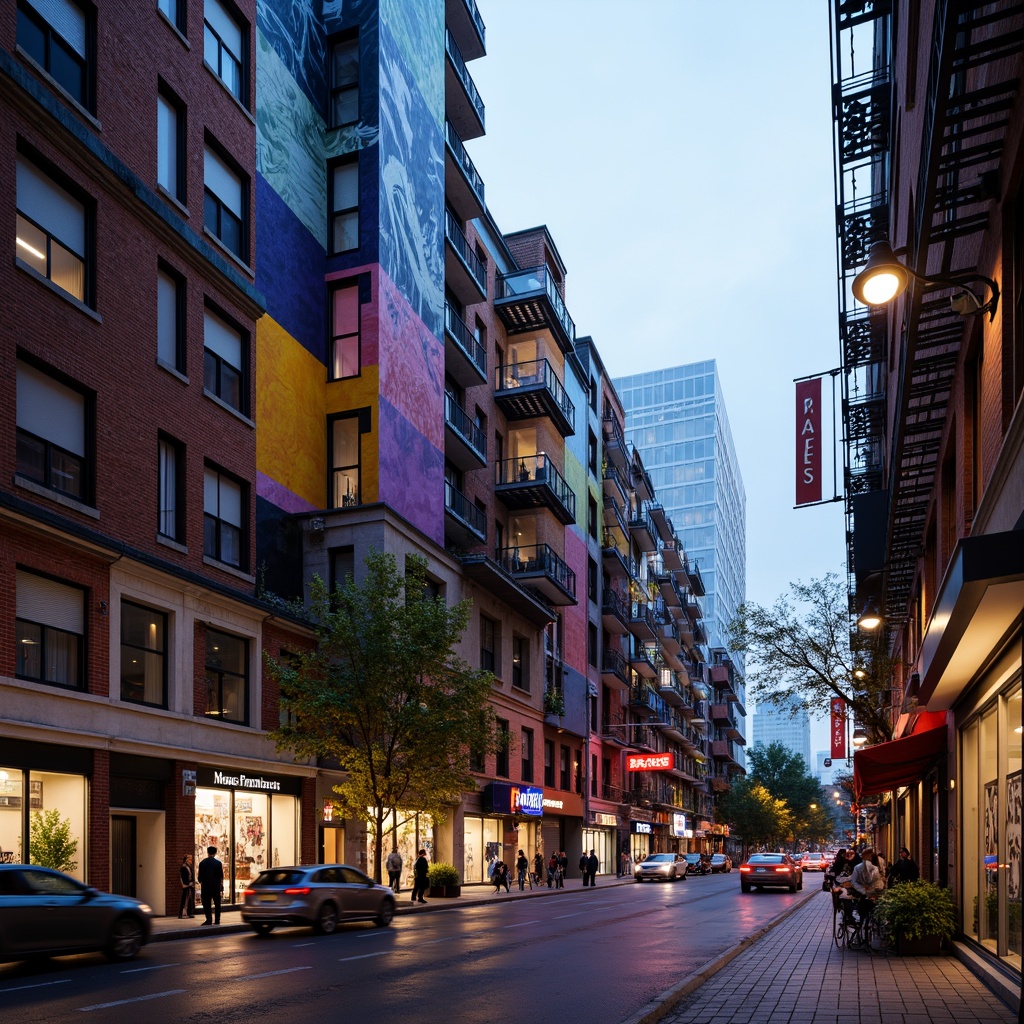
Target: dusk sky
680, 153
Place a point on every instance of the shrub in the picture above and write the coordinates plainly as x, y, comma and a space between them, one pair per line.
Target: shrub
50, 842
916, 909
554, 702
442, 875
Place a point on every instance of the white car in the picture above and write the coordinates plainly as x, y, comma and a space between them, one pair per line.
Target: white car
814, 862
661, 866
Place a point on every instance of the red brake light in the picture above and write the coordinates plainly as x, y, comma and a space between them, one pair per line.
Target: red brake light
782, 868
744, 869
298, 891
249, 892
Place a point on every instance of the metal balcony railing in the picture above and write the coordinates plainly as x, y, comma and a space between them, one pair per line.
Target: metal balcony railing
459, 505
464, 338
463, 160
462, 423
453, 51
457, 238
528, 559
531, 373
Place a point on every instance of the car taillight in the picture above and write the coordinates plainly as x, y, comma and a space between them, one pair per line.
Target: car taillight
744, 870
783, 869
249, 892
299, 891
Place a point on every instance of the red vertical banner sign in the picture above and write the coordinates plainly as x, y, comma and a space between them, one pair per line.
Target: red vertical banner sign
838, 728
808, 441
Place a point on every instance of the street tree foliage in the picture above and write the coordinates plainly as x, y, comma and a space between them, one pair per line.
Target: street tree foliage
384, 694
764, 821
801, 653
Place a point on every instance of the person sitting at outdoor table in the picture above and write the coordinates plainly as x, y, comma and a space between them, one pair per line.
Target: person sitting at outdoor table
903, 869
867, 881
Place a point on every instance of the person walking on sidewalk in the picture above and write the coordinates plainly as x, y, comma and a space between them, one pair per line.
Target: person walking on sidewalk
188, 888
563, 869
211, 885
592, 865
394, 866
522, 866
538, 867
419, 877
552, 869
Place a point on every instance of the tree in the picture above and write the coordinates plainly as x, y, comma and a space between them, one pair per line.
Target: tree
786, 776
801, 650
384, 693
761, 819
50, 842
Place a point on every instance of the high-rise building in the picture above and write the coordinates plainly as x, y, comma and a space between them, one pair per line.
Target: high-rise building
789, 725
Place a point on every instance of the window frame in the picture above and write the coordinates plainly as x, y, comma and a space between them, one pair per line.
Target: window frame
177, 510
179, 309
349, 499
241, 60
334, 214
501, 757
47, 628
337, 89
520, 674
489, 625
211, 668
167, 96
218, 523
85, 97
215, 362
217, 212
526, 754
178, 17
349, 285
163, 653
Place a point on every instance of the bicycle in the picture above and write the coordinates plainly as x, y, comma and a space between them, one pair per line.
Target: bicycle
856, 927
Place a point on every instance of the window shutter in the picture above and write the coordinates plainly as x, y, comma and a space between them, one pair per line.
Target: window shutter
50, 410
49, 603
210, 495
42, 200
346, 186
167, 145
224, 340
224, 25
167, 318
223, 182
346, 310
230, 502
67, 18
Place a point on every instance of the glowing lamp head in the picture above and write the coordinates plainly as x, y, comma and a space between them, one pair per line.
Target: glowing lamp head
883, 277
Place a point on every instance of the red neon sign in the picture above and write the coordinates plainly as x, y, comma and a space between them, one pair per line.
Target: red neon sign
649, 762
808, 441
838, 727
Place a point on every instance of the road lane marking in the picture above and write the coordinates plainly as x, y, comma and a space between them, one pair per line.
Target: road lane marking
522, 924
366, 956
577, 914
270, 974
137, 999
41, 984
299, 945
155, 967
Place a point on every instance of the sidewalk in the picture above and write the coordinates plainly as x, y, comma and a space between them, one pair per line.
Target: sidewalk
795, 975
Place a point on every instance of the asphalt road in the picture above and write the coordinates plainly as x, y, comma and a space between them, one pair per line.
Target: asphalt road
593, 957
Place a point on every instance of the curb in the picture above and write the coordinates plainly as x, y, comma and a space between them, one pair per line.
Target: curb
663, 1004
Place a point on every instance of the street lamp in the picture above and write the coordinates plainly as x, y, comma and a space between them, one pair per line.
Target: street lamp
884, 277
869, 619
860, 736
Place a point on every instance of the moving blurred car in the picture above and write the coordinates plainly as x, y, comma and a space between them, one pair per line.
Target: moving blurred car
47, 913
655, 866
696, 864
776, 870
316, 894
720, 864
813, 862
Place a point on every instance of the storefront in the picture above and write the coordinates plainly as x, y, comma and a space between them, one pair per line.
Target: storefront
253, 819
510, 822
641, 839
408, 832
602, 842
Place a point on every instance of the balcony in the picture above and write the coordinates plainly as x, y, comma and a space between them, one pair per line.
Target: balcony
641, 529
464, 272
527, 300
671, 690
463, 19
463, 186
692, 608
615, 444
720, 714
526, 391
614, 670
465, 444
670, 592
641, 621
668, 634
646, 704
661, 521
670, 555
614, 613
462, 102
530, 482
497, 582
465, 359
464, 523
614, 562
613, 485
642, 662
538, 567
694, 578
614, 521
724, 752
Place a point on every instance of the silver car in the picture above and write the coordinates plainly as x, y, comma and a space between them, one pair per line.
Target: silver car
666, 866
316, 894
47, 913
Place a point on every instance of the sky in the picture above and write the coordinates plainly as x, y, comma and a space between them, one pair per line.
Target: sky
680, 154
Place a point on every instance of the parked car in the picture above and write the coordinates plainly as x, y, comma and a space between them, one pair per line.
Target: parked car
696, 864
317, 894
655, 866
721, 864
814, 862
776, 870
47, 913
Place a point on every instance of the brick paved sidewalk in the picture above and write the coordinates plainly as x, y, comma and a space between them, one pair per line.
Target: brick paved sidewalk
795, 975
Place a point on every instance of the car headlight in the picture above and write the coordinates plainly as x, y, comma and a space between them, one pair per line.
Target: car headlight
145, 908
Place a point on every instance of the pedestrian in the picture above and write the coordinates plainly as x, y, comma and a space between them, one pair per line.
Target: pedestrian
394, 866
538, 867
867, 882
501, 877
623, 864
419, 877
563, 869
592, 865
492, 864
522, 866
903, 869
188, 888
553, 870
583, 866
211, 884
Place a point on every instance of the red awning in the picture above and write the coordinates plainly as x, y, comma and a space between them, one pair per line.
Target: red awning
899, 762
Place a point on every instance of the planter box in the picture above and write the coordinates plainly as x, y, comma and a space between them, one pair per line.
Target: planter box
444, 891
927, 945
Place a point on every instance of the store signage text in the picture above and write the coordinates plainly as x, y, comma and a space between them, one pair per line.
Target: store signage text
241, 781
527, 800
555, 805
643, 828
679, 825
505, 798
838, 727
649, 762
808, 443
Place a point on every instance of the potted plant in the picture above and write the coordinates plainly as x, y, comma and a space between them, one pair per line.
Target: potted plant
554, 702
444, 880
919, 915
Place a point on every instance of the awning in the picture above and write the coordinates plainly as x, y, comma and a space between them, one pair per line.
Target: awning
899, 762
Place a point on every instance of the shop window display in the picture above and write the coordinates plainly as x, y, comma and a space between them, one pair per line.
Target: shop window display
12, 786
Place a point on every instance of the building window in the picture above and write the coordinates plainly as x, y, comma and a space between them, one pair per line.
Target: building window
56, 35
52, 228
174, 12
170, 143
592, 452
227, 677
170, 318
549, 763
344, 437
171, 489
504, 743
592, 517
224, 47
591, 579
526, 741
488, 644
521, 662
593, 774
344, 82
223, 506
53, 442
224, 361
50, 631
564, 776
224, 203
345, 346
143, 655
345, 206
592, 644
